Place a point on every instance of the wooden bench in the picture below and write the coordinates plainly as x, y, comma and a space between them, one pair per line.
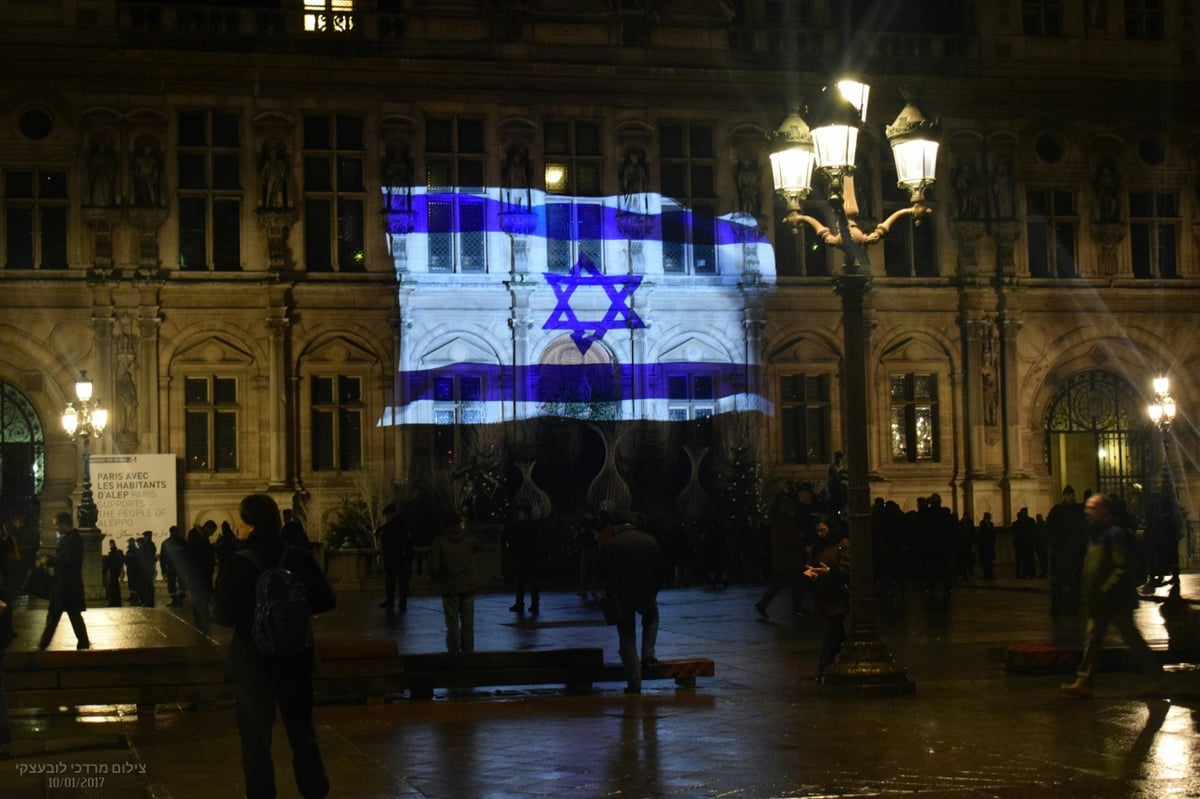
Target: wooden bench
347, 671
190, 676
575, 669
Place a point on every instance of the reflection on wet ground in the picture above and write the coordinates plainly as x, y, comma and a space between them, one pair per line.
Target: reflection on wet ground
760, 728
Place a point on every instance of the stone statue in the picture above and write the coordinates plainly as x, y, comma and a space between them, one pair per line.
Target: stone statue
1106, 186
102, 176
274, 175
147, 177
749, 186
635, 180
518, 175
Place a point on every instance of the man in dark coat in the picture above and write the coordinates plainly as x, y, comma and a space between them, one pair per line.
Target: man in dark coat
149, 555
523, 546
66, 594
134, 573
631, 565
114, 564
1110, 597
1066, 529
263, 682
396, 549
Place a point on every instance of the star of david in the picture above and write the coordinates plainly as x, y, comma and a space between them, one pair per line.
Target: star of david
584, 274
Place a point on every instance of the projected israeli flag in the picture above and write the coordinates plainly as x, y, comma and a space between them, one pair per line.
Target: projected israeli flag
618, 308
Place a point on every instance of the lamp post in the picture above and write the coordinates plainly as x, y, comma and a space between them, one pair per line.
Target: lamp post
864, 664
1166, 521
83, 419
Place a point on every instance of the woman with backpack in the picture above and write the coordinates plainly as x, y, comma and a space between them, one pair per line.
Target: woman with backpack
268, 592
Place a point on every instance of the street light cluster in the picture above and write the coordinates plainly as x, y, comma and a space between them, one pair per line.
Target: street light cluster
829, 147
1162, 410
84, 419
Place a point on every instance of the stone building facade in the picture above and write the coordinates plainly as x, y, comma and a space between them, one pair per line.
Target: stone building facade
310, 246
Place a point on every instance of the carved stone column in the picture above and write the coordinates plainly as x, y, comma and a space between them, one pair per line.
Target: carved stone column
147, 222
148, 325
973, 330
1010, 327
276, 404
520, 324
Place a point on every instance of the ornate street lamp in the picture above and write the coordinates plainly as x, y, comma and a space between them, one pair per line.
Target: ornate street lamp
1162, 414
829, 148
83, 419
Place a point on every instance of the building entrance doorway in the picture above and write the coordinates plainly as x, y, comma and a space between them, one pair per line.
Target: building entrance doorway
22, 468
1096, 438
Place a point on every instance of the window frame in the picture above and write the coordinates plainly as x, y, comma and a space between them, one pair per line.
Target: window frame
801, 407
909, 406
341, 241
1051, 224
212, 409
449, 435
38, 205
347, 441
461, 248
220, 206
693, 251
1154, 236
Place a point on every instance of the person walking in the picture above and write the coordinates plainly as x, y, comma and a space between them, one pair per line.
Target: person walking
395, 547
631, 565
66, 592
1110, 597
264, 682
451, 556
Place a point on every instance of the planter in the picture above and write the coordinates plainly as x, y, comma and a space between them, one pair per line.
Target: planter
352, 569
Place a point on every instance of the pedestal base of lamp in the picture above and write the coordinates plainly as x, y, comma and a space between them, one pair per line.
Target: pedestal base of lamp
866, 668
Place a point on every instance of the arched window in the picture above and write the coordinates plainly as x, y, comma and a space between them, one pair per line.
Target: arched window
1094, 438
22, 452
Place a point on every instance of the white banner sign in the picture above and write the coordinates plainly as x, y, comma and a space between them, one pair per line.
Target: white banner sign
134, 493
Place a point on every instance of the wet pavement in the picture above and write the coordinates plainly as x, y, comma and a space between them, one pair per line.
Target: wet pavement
760, 728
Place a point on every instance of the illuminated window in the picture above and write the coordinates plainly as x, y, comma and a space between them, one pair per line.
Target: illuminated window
688, 165
337, 413
1051, 221
329, 16
914, 417
573, 167
210, 191
1154, 233
804, 418
34, 235
211, 424
334, 195
454, 163
457, 405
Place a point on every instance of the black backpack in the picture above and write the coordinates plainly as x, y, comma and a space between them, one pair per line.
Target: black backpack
282, 625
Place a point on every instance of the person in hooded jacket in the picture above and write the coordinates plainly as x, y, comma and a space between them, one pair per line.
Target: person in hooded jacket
262, 682
451, 555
